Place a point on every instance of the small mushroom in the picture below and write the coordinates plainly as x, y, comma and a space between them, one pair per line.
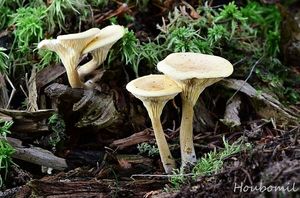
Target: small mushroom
154, 91
69, 48
193, 72
99, 48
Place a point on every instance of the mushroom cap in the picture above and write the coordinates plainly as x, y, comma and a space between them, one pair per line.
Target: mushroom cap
107, 36
188, 65
82, 35
153, 86
45, 43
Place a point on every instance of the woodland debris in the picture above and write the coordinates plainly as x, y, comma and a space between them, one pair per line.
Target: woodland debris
132, 163
5, 117
10, 192
32, 92
94, 188
94, 108
48, 75
26, 121
3, 92
134, 139
122, 9
22, 114
265, 105
231, 117
36, 155
24, 128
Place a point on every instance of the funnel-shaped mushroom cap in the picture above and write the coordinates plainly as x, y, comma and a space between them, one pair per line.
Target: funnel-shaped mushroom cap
193, 72
79, 40
99, 48
154, 91
107, 36
182, 66
153, 86
69, 49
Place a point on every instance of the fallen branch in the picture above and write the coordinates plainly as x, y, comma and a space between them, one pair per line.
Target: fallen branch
37, 155
134, 139
265, 105
94, 188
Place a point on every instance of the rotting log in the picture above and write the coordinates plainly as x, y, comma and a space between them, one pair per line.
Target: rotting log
94, 188
36, 155
94, 108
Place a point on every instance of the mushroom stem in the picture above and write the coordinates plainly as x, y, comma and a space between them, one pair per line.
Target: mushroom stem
187, 149
99, 56
73, 76
191, 90
154, 109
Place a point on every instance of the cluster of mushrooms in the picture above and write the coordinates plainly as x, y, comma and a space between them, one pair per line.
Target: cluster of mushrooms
186, 73
70, 48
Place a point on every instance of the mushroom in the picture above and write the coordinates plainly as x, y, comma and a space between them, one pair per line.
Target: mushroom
99, 48
193, 72
154, 91
69, 48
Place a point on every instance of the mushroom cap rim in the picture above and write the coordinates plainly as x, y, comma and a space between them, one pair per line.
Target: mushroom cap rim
111, 38
81, 35
139, 92
166, 68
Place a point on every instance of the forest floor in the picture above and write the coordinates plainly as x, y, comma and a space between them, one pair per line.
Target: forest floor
99, 142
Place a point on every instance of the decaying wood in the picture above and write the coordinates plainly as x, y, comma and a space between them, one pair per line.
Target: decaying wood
131, 161
32, 92
48, 74
3, 92
95, 108
94, 188
27, 122
10, 192
265, 105
21, 114
231, 116
36, 155
21, 127
5, 117
134, 139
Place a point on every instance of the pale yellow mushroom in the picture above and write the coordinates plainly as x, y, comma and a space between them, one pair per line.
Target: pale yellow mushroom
99, 48
154, 91
69, 48
193, 72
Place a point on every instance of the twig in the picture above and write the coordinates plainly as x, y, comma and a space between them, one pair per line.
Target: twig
13, 91
162, 176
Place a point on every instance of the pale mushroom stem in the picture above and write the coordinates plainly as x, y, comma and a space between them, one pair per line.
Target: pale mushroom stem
188, 154
191, 91
72, 73
154, 109
99, 56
